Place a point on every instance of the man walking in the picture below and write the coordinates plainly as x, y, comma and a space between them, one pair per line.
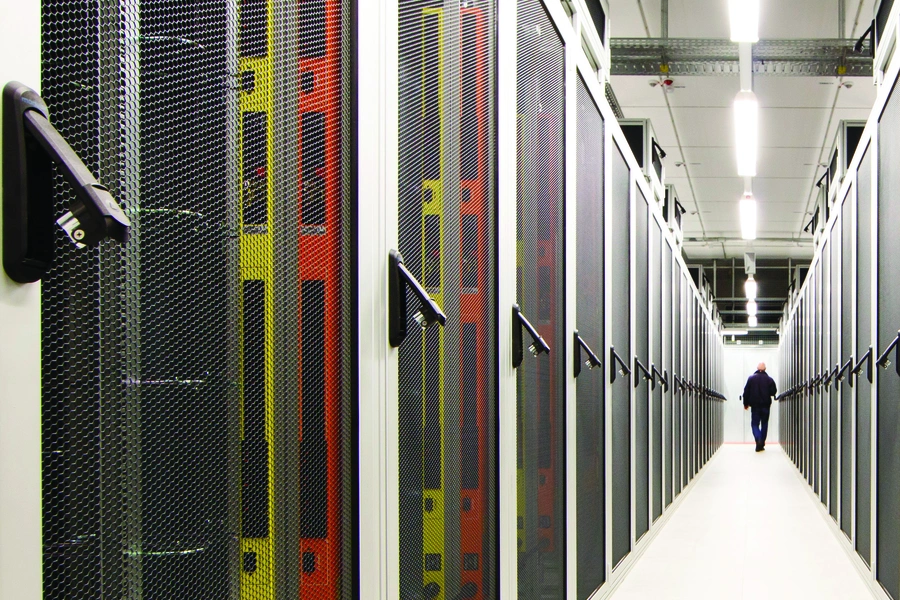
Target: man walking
758, 395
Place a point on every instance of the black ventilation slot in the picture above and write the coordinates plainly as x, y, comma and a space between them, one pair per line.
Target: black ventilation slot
313, 445
313, 40
469, 231
469, 147
469, 383
431, 101
254, 447
432, 258
253, 22
432, 434
255, 158
313, 170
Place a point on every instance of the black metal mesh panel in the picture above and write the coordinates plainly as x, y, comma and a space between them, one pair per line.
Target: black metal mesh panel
621, 339
656, 399
863, 342
846, 354
669, 304
591, 401
824, 395
447, 375
197, 402
815, 369
888, 475
678, 396
642, 353
540, 390
834, 395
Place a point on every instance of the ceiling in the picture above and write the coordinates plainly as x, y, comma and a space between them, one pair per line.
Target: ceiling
693, 122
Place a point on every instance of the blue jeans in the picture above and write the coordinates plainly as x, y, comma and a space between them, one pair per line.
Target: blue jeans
759, 416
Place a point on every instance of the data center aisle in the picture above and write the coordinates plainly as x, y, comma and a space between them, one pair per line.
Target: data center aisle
748, 529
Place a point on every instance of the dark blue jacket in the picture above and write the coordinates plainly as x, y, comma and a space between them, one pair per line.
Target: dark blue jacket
759, 390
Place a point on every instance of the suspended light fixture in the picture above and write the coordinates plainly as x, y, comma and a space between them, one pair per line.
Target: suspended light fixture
748, 218
750, 288
752, 308
746, 136
752, 321
744, 20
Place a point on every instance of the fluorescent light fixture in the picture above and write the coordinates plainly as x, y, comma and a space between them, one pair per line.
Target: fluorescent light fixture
748, 218
746, 132
750, 288
752, 321
734, 332
744, 20
751, 308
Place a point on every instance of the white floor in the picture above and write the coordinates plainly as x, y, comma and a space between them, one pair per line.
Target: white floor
747, 529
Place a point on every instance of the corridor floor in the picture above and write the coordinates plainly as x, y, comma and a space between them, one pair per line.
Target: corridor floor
748, 529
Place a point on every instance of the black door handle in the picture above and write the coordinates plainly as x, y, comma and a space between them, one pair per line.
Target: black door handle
615, 359
31, 148
884, 361
592, 359
662, 378
867, 361
641, 372
538, 346
843, 372
399, 280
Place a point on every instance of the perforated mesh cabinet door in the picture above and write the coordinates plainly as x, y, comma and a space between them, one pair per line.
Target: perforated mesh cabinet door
862, 384
669, 305
888, 475
678, 395
834, 395
540, 387
198, 400
656, 398
827, 364
621, 339
447, 375
641, 353
591, 383
846, 393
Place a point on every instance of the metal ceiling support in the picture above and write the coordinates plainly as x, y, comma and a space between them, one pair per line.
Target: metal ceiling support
716, 240
664, 19
705, 56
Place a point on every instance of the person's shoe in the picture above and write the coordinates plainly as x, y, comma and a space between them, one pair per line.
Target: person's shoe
762, 448
759, 447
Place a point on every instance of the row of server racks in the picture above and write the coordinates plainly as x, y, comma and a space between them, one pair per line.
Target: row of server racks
400, 315
839, 336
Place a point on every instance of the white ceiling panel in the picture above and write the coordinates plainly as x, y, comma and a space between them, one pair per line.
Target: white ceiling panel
798, 19
698, 18
798, 92
791, 127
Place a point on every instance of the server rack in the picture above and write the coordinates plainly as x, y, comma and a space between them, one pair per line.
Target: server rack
888, 323
656, 366
540, 294
590, 413
619, 368
446, 381
226, 392
641, 369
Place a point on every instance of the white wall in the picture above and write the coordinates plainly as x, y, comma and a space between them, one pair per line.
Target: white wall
740, 363
20, 356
